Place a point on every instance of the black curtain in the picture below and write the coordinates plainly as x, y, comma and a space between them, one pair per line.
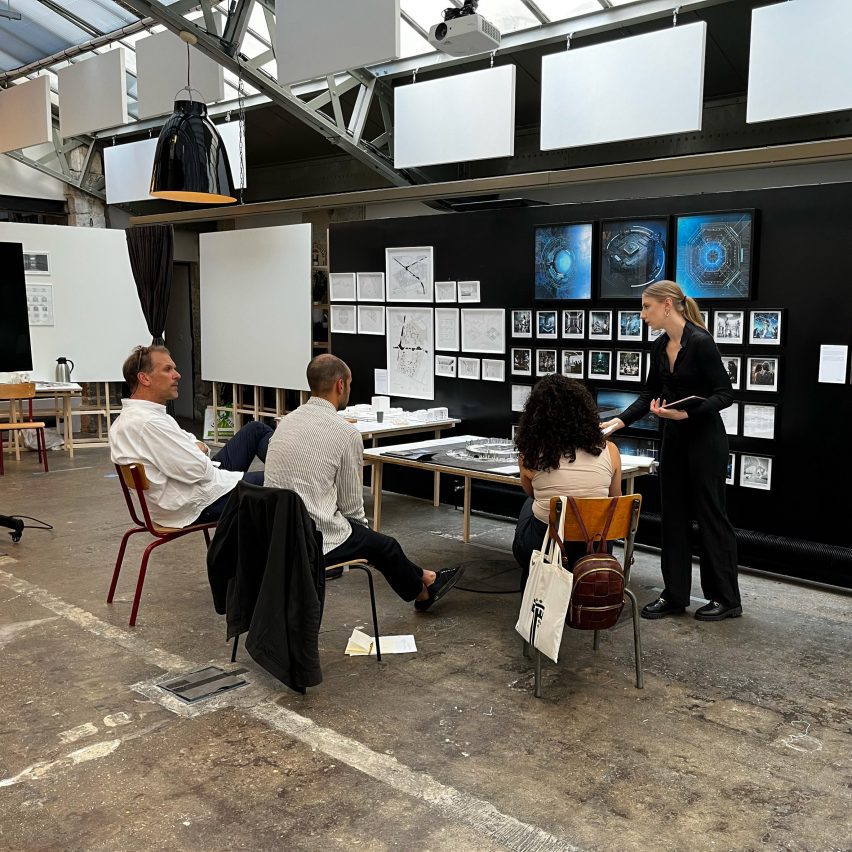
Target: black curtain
151, 249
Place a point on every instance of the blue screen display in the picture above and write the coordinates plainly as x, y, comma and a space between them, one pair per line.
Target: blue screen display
612, 402
633, 255
563, 262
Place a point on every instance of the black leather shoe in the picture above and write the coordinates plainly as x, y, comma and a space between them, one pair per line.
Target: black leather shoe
660, 608
443, 583
715, 611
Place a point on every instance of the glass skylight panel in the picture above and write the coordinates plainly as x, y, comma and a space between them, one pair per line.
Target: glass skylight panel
103, 15
508, 16
560, 10
427, 13
411, 43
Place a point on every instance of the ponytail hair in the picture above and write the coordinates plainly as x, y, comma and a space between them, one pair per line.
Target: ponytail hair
686, 305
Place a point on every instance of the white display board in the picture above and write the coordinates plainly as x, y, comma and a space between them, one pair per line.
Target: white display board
632, 88
800, 62
256, 306
97, 318
455, 119
93, 94
161, 71
128, 167
25, 115
319, 37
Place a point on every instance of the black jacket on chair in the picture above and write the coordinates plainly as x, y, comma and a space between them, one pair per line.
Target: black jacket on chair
266, 572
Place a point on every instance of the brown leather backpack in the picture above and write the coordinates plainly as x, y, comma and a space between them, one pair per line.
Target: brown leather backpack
597, 597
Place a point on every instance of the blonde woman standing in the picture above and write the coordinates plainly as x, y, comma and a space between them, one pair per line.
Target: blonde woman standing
693, 459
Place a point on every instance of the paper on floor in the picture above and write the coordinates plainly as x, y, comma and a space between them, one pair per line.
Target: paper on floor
362, 645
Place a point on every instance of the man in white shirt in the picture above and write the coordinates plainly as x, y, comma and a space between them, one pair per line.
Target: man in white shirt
186, 486
317, 454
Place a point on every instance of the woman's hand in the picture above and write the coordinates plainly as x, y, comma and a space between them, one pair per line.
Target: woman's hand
667, 413
612, 426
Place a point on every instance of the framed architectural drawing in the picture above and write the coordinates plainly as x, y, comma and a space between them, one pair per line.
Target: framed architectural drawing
483, 330
410, 351
408, 274
371, 319
445, 291
342, 286
469, 291
493, 371
468, 368
758, 421
445, 365
447, 329
370, 286
343, 319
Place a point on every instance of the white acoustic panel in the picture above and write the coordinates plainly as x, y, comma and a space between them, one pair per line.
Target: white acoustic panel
800, 62
25, 115
128, 168
647, 85
93, 94
96, 312
256, 306
455, 119
161, 72
319, 37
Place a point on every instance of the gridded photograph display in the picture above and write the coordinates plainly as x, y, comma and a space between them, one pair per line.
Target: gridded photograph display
600, 325
629, 367
629, 325
733, 367
545, 362
762, 374
522, 324
600, 364
522, 362
756, 472
546, 325
728, 327
572, 363
574, 324
765, 328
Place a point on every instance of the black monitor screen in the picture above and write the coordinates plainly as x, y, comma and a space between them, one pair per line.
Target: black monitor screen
15, 352
612, 402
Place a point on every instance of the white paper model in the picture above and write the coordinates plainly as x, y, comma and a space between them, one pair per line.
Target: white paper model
447, 329
758, 421
546, 325
445, 291
341, 286
522, 362
545, 362
756, 472
36, 263
728, 326
408, 274
40, 304
730, 475
410, 333
762, 374
343, 319
731, 418
468, 368
765, 328
600, 364
572, 363
483, 330
371, 319
520, 395
371, 286
574, 324
521, 323
629, 325
629, 367
493, 371
733, 367
600, 325
445, 365
469, 291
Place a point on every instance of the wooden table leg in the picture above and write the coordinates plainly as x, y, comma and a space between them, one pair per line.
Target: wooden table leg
69, 426
436, 492
466, 512
630, 480
377, 495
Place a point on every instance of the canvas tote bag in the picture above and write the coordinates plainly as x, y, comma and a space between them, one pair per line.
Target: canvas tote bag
546, 595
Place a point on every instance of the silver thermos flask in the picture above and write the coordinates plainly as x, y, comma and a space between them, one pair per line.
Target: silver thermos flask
63, 371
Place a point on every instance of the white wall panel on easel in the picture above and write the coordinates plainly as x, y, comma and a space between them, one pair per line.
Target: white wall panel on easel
161, 72
799, 62
632, 88
93, 94
319, 37
128, 167
256, 306
455, 119
25, 118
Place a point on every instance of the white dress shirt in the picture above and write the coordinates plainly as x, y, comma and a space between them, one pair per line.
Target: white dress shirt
317, 454
183, 480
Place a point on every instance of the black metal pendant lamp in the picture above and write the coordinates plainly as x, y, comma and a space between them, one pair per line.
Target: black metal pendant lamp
191, 163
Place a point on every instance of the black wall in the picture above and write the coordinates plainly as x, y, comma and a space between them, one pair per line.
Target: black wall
802, 251
15, 352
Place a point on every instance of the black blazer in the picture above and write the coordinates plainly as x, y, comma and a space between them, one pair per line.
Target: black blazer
698, 371
267, 573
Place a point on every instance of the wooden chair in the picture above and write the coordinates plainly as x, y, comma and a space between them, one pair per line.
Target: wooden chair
594, 510
133, 479
14, 394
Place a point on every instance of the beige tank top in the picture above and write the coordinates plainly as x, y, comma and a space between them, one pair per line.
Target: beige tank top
587, 476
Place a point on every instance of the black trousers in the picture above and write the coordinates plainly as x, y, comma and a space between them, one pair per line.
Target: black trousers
693, 460
384, 552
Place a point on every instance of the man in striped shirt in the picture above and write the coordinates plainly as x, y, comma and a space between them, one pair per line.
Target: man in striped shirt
317, 454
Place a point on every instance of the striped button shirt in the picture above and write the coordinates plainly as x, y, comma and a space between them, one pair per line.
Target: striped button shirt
317, 454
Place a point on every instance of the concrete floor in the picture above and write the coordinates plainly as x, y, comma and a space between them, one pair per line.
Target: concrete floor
740, 739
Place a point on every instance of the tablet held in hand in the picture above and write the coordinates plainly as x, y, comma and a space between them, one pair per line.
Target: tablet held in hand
688, 403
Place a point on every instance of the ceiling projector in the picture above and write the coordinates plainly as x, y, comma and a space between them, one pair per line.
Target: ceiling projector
464, 32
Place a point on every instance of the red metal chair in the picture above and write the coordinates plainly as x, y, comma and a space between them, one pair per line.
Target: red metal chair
132, 477
14, 394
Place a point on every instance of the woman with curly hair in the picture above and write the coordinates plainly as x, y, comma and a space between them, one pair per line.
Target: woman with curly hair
561, 452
